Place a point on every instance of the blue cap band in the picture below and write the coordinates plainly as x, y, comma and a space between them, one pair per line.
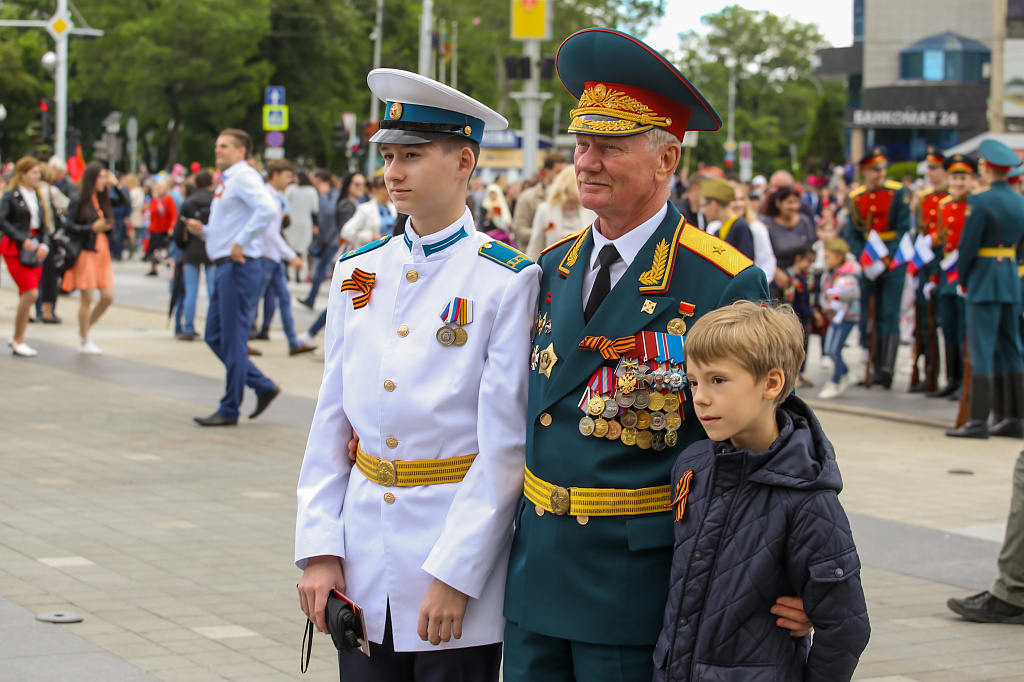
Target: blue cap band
413, 117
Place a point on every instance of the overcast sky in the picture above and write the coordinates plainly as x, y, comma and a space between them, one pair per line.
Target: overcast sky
833, 17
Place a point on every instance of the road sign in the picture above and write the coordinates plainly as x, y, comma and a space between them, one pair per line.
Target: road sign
275, 117
273, 95
690, 138
274, 139
59, 24
730, 146
273, 153
746, 161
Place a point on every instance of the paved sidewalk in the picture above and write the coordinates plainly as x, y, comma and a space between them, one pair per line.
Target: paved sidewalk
175, 543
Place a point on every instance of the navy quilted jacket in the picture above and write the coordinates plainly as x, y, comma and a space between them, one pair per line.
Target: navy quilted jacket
757, 526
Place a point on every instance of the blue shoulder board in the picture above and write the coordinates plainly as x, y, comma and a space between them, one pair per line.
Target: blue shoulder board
366, 248
503, 254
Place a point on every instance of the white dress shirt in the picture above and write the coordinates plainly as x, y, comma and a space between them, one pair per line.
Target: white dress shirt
445, 401
628, 245
241, 212
32, 202
274, 245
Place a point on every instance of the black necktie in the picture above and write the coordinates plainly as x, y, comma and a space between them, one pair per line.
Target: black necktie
603, 283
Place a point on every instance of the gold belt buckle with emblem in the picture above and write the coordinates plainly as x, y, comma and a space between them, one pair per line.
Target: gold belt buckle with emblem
386, 474
560, 501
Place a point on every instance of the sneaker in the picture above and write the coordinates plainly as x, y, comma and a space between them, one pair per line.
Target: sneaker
305, 339
828, 391
23, 350
845, 382
90, 348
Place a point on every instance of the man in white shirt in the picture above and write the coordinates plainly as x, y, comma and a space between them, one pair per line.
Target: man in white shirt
277, 254
242, 210
427, 337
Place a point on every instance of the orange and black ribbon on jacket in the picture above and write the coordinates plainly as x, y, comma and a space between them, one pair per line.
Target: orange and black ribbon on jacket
682, 492
362, 282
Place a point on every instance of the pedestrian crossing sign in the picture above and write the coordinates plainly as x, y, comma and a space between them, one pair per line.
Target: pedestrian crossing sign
275, 117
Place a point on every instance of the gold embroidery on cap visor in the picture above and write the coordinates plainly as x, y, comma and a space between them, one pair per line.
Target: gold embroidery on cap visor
629, 115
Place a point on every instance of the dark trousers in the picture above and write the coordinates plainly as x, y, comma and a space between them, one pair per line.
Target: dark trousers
993, 331
323, 269
47, 285
473, 664
227, 331
952, 311
887, 291
530, 657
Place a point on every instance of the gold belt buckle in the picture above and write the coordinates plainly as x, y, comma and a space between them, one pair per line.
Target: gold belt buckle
560, 500
386, 474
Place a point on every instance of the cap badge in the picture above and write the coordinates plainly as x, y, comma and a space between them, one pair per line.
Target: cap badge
396, 111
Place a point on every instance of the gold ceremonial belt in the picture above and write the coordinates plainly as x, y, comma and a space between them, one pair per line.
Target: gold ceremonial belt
886, 236
406, 474
595, 501
997, 252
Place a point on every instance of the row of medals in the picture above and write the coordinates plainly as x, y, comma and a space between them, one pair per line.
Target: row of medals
448, 336
651, 419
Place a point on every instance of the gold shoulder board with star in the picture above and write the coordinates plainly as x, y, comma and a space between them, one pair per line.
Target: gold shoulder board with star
503, 254
857, 192
893, 185
366, 248
722, 254
945, 200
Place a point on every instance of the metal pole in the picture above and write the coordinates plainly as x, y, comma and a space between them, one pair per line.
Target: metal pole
426, 24
531, 108
732, 103
61, 95
455, 55
378, 32
996, 123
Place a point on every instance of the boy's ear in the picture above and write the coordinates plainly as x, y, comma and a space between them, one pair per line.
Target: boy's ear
466, 163
774, 384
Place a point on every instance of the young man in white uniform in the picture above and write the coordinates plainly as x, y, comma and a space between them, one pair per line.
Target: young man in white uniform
427, 336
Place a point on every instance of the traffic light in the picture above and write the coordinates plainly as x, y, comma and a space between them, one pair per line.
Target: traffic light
46, 117
340, 135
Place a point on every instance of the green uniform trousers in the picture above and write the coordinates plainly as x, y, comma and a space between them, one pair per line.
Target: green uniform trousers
1009, 586
993, 331
952, 312
887, 291
530, 657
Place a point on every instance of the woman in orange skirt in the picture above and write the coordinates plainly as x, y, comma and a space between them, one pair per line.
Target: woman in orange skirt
24, 218
90, 218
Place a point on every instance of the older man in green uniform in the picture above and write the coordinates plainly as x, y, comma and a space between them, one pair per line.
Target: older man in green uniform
883, 207
608, 408
989, 250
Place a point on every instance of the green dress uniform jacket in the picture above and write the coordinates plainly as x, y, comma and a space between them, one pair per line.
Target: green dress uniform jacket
996, 219
605, 581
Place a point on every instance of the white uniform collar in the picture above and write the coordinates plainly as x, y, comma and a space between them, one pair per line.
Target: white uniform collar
629, 244
440, 244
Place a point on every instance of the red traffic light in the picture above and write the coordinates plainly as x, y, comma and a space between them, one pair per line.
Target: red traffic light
44, 106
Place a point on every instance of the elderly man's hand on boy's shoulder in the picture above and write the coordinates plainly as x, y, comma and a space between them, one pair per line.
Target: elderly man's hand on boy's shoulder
790, 611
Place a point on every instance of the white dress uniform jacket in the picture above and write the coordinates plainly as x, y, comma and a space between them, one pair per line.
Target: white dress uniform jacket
446, 401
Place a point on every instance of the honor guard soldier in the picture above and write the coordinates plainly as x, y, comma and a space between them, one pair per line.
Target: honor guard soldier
926, 339
427, 337
883, 207
989, 250
609, 409
950, 306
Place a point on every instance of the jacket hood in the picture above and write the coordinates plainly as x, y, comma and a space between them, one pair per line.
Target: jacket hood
802, 457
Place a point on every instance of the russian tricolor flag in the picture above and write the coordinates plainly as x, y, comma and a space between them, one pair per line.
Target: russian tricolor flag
951, 266
923, 254
872, 258
904, 252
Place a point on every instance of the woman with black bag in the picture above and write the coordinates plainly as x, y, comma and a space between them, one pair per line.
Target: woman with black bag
25, 244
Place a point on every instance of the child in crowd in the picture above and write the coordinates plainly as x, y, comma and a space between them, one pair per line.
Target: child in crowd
757, 513
799, 295
840, 300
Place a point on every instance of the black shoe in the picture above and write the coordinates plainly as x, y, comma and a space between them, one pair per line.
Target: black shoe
263, 401
309, 304
152, 273
215, 419
1008, 428
957, 395
918, 387
186, 336
985, 608
884, 378
973, 428
264, 335
50, 320
949, 390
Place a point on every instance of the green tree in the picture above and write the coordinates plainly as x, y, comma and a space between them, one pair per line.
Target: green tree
23, 82
824, 143
776, 93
